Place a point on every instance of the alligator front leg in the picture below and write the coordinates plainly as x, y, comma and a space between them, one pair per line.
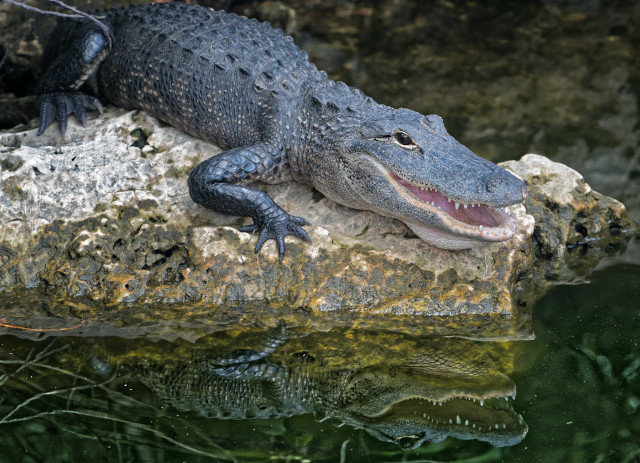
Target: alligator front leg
58, 96
212, 184
246, 362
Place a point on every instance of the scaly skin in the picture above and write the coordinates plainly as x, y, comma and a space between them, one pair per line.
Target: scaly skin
244, 86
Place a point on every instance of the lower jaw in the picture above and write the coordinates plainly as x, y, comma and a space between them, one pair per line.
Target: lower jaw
444, 240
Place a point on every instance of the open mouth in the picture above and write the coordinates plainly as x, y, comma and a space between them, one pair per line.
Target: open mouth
469, 219
491, 420
482, 415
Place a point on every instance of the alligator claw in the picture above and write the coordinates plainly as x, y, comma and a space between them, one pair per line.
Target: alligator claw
276, 229
60, 105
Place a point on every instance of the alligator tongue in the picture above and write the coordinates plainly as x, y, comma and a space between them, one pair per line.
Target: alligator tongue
477, 215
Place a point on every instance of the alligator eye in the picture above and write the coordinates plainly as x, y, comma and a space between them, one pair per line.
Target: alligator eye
403, 138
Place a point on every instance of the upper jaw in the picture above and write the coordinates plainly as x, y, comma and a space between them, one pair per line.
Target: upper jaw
451, 224
472, 220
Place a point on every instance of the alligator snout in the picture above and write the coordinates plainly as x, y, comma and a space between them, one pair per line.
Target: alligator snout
507, 186
497, 183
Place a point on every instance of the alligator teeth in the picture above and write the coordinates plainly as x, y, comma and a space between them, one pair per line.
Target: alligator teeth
466, 205
482, 402
466, 422
457, 205
480, 227
458, 420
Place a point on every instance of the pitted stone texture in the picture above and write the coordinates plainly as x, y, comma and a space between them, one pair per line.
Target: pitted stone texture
575, 226
104, 215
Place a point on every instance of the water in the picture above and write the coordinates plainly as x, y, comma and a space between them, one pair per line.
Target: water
557, 78
66, 398
580, 384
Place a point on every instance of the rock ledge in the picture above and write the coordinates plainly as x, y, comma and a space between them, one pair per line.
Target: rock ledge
104, 217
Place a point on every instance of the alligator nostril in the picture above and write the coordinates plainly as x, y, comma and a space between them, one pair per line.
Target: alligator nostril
494, 184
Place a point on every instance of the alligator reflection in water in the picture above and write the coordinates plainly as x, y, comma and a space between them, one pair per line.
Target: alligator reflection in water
398, 388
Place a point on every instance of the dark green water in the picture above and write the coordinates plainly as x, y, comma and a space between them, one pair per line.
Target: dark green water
557, 78
578, 389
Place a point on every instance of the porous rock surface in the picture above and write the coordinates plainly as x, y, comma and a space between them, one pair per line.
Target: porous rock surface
102, 219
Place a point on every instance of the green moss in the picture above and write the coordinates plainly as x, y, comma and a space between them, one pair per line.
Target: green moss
193, 161
127, 213
148, 204
364, 230
173, 172
157, 218
11, 164
140, 139
101, 207
12, 188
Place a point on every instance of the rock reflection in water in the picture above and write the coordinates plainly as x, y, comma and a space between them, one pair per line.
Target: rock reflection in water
397, 388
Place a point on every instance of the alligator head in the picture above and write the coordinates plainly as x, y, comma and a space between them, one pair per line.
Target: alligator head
426, 401
405, 165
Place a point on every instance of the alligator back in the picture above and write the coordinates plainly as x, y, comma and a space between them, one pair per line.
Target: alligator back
208, 73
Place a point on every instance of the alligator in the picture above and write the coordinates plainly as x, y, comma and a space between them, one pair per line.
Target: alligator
398, 389
246, 87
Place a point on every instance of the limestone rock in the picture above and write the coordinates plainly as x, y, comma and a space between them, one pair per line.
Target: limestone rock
103, 218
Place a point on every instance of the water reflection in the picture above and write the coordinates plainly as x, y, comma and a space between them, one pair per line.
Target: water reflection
398, 388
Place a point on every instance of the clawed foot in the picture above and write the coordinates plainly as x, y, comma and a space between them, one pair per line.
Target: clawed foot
276, 229
60, 105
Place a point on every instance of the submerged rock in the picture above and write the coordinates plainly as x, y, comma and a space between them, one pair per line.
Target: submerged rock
104, 217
